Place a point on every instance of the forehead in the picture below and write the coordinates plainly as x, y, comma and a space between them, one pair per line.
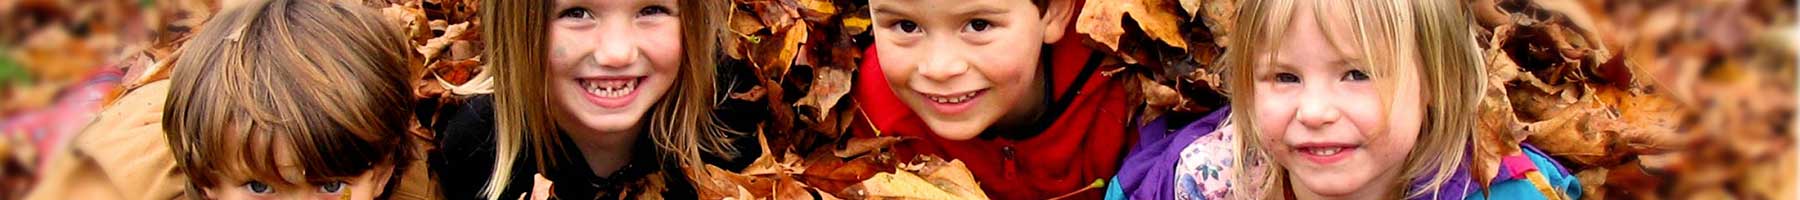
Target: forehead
925, 8
1313, 32
606, 2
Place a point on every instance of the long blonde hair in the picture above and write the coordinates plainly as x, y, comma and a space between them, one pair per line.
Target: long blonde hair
1450, 65
681, 125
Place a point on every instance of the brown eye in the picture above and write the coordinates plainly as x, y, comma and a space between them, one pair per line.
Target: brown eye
577, 13
906, 27
653, 11
979, 25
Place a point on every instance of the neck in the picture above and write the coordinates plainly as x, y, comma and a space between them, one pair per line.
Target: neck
1026, 118
1368, 191
605, 152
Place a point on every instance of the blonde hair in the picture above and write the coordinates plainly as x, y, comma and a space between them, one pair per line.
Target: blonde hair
681, 125
327, 78
1451, 75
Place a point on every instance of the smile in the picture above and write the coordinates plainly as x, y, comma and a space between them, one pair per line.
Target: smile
609, 87
957, 98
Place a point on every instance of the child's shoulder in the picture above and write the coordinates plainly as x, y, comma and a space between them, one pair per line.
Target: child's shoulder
1532, 175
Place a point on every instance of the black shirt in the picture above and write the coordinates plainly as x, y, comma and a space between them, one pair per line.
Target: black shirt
465, 159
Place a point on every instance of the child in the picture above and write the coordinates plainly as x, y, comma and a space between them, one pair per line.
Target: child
604, 99
1004, 85
292, 99
1360, 100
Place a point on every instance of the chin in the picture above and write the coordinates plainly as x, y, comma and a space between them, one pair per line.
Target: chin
957, 131
612, 123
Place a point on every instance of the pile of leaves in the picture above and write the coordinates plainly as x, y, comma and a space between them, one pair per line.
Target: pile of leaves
790, 67
1642, 100
1645, 100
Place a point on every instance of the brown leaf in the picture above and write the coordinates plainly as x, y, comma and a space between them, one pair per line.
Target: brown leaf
754, 94
774, 57
940, 180
860, 146
437, 45
1103, 21
828, 86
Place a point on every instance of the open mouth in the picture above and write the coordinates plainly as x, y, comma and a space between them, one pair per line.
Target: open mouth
609, 87
610, 92
956, 98
1325, 153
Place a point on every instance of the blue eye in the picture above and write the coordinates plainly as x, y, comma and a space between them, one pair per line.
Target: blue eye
258, 187
1356, 75
1287, 78
332, 188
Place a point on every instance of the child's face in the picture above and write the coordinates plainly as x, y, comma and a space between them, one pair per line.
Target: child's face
961, 65
610, 60
1321, 115
239, 185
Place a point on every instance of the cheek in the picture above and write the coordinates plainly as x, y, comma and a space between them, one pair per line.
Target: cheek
566, 49
1274, 112
1017, 73
896, 64
663, 47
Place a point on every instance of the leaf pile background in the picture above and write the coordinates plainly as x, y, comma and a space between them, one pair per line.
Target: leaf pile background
1686, 99
1641, 99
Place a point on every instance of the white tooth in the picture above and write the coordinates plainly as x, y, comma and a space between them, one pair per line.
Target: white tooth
1325, 151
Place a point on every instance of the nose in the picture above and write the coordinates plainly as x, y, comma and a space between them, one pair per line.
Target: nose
944, 62
615, 46
1317, 108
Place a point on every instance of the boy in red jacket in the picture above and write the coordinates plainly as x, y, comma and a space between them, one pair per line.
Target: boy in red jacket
1004, 85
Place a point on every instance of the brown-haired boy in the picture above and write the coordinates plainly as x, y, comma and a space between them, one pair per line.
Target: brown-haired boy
1004, 85
292, 99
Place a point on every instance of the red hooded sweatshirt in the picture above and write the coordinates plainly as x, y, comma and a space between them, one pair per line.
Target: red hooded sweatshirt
1085, 142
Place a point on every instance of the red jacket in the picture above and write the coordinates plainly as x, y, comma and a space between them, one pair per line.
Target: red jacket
1085, 143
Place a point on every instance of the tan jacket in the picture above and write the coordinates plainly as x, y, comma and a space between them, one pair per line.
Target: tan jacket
123, 155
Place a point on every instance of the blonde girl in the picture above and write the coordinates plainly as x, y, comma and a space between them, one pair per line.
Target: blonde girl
1361, 99
599, 97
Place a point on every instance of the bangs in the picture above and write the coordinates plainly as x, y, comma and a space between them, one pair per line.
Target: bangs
281, 152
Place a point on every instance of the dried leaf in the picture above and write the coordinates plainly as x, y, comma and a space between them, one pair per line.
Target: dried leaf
941, 180
828, 86
1103, 20
860, 146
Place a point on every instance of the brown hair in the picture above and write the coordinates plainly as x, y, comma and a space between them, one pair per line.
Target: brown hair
1450, 66
327, 78
681, 125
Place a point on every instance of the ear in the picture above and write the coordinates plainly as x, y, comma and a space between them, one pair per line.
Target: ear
1058, 15
382, 174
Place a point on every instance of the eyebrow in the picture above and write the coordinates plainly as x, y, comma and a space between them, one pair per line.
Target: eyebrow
1278, 61
982, 9
885, 9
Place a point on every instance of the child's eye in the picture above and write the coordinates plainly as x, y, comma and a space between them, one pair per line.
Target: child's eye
332, 188
978, 25
1287, 78
653, 11
1356, 75
906, 27
578, 13
258, 187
